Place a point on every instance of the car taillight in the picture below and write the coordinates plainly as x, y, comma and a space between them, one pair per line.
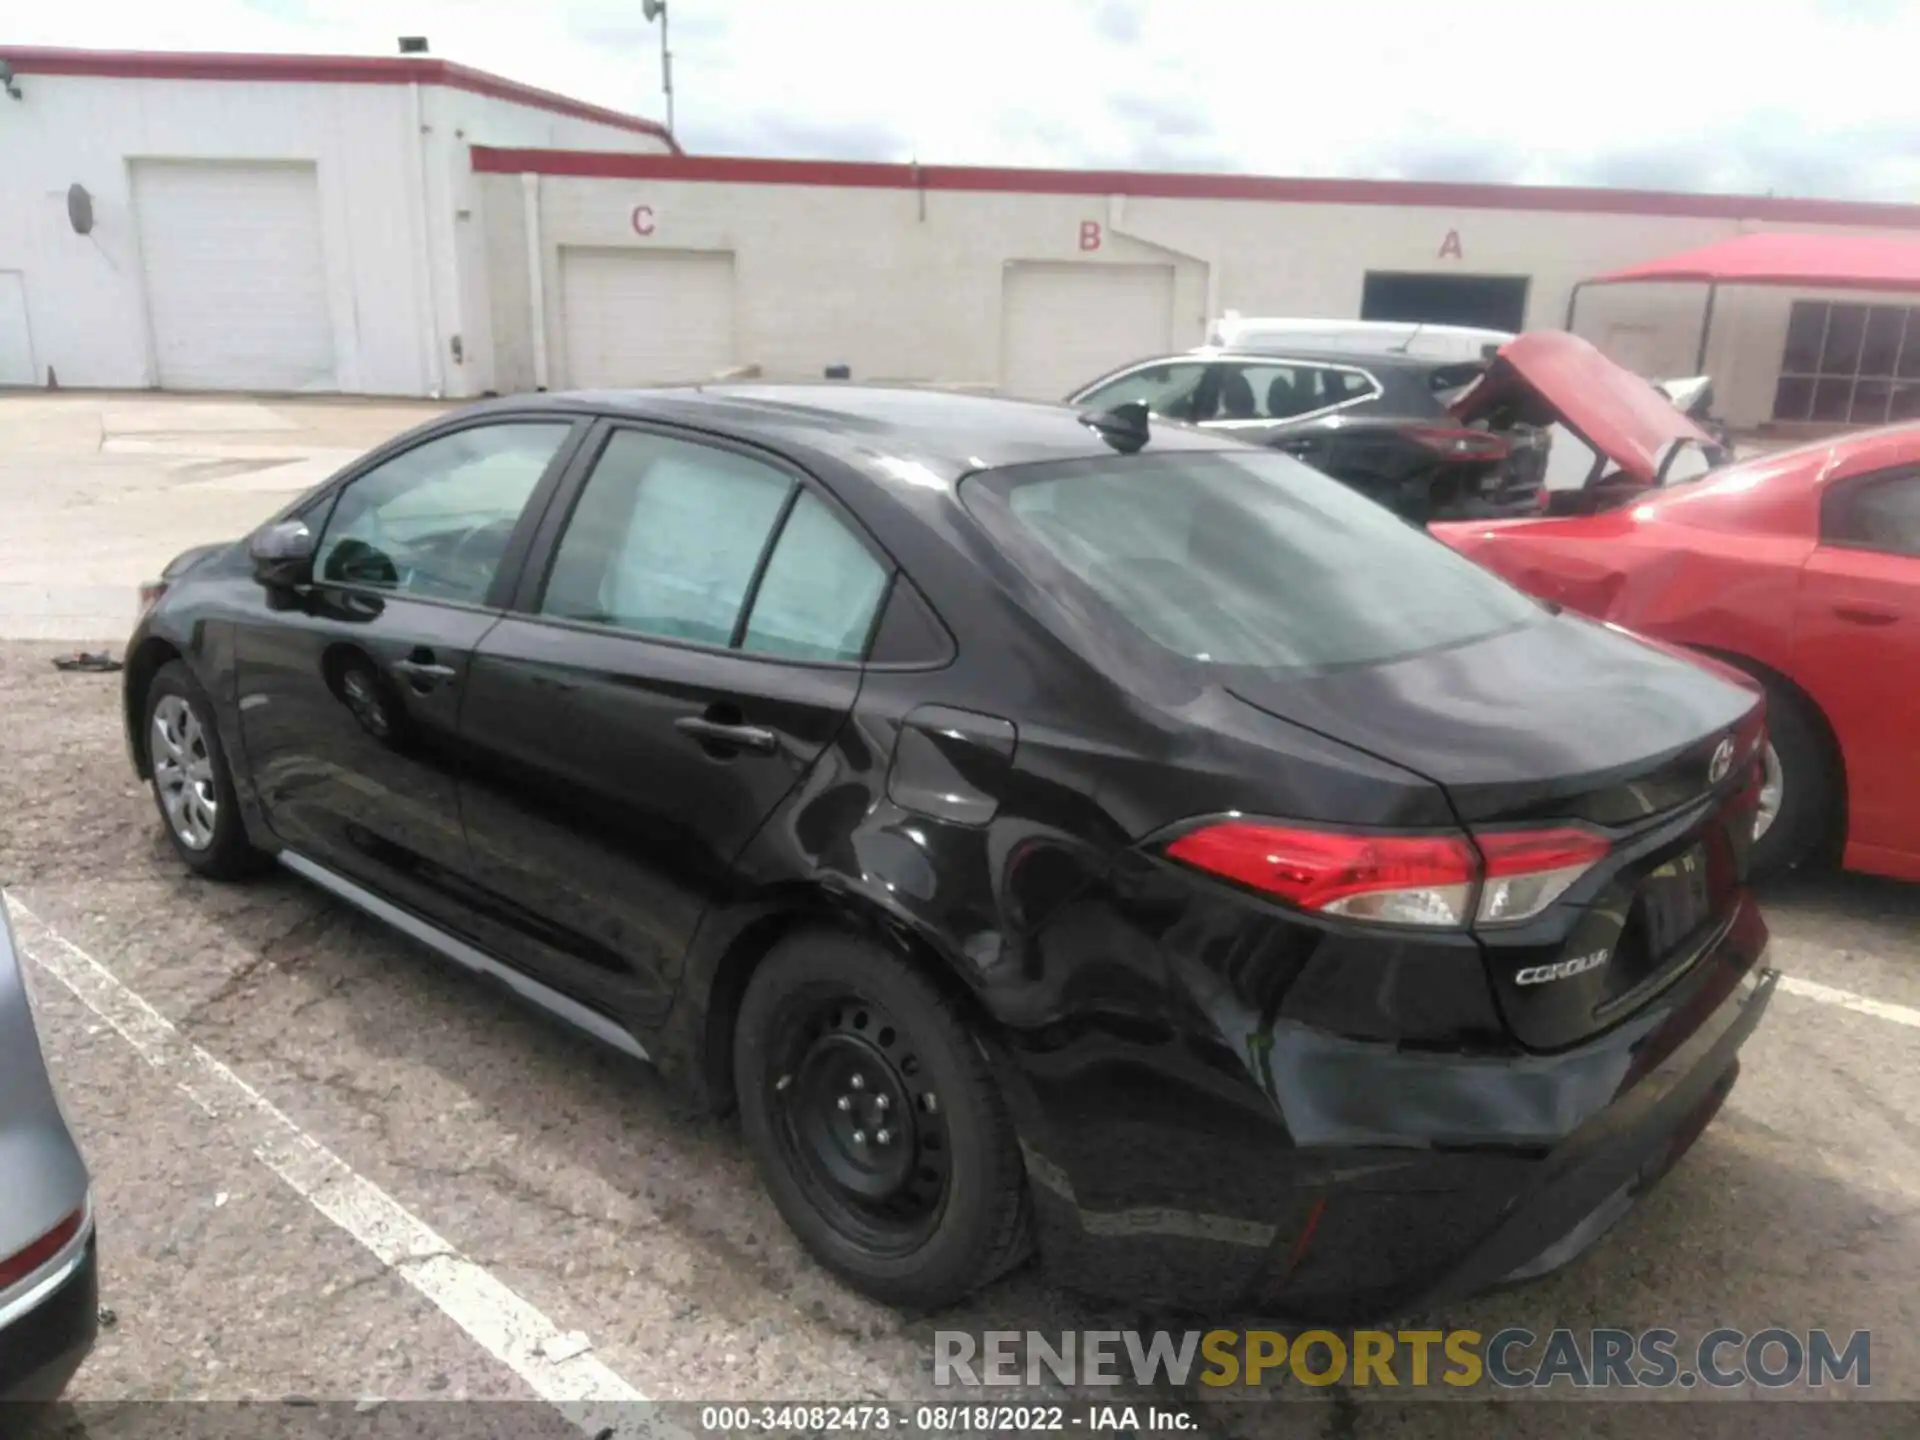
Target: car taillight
1429, 880
1457, 443
150, 593
16, 1268
1527, 870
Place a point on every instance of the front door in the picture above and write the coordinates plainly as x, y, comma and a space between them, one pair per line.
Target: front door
1857, 652
694, 648
350, 691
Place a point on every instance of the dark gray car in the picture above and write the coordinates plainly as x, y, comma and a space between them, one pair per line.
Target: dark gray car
1378, 422
48, 1284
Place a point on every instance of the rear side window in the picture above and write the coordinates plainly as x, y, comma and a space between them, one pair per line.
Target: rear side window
1881, 514
666, 539
821, 590
1284, 391
678, 541
1238, 560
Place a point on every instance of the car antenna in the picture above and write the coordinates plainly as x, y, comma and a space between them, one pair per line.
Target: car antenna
1412, 335
1124, 427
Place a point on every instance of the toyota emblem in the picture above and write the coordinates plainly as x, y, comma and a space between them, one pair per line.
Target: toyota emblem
1721, 763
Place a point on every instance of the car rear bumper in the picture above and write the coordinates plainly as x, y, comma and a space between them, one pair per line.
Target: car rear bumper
1438, 1177
41, 1347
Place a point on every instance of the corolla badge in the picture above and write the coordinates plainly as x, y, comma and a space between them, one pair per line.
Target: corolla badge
1721, 763
1564, 970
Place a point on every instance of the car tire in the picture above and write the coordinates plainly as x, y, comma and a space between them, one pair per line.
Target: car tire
875, 1124
192, 786
1804, 767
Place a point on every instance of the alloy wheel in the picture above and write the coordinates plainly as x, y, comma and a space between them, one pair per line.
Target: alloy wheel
183, 772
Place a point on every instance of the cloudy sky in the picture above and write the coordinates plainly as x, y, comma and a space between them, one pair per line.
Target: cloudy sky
1797, 97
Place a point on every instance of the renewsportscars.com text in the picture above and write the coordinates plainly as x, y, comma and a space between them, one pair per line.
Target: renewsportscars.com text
1512, 1358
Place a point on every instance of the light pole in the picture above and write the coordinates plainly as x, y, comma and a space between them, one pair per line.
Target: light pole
657, 10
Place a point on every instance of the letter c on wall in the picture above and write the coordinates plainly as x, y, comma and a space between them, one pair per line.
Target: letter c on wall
643, 219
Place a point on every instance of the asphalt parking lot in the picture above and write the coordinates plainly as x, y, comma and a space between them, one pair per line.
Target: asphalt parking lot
328, 1166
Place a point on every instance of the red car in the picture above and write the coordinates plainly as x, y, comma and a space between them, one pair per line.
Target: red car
1802, 568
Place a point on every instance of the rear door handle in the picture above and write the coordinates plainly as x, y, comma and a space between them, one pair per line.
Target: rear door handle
1863, 615
723, 736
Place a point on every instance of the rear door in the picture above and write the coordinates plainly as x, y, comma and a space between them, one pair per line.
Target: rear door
691, 647
350, 691
1857, 650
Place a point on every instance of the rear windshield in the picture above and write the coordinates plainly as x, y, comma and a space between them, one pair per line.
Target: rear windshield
1238, 559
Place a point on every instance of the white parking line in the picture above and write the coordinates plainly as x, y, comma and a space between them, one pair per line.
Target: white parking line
1847, 1000
509, 1328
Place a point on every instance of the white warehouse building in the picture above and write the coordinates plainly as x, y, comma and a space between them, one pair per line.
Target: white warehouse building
403, 226
258, 222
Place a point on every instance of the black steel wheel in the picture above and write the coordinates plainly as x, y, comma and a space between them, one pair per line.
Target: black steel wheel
859, 1120
874, 1122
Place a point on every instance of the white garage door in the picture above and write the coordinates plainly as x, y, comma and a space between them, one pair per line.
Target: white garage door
16, 343
1063, 325
235, 275
646, 317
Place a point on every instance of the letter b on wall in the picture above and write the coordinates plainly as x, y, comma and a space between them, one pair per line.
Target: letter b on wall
1089, 234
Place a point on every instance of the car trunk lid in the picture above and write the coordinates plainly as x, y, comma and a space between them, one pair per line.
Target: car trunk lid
1635, 433
1569, 723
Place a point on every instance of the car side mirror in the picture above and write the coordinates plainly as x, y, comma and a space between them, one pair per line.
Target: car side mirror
282, 555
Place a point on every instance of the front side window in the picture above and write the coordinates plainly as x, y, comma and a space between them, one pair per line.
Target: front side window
1875, 515
668, 541
434, 521
1238, 559
1168, 390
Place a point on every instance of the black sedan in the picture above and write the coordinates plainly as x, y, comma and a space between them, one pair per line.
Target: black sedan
1379, 422
1047, 831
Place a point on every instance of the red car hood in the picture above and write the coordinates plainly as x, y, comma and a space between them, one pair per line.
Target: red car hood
1613, 410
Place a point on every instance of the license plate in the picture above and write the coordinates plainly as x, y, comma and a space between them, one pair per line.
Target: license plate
1676, 900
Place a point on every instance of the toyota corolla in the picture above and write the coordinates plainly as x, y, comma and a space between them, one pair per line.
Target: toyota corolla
1049, 831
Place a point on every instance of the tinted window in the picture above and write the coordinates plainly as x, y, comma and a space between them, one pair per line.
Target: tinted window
1167, 389
820, 591
1877, 515
1283, 391
434, 521
665, 539
1238, 560
1443, 378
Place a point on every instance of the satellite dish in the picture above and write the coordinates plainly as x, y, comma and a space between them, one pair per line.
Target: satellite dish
80, 209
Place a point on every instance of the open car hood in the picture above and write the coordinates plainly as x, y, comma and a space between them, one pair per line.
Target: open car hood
1550, 377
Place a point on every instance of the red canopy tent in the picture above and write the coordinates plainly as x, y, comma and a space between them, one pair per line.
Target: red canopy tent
1826, 262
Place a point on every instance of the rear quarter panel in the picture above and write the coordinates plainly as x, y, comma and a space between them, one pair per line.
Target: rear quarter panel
1707, 589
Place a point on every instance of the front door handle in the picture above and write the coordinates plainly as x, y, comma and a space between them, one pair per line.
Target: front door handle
722, 736
422, 671
1864, 615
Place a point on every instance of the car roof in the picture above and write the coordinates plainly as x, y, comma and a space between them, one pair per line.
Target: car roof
1359, 359
898, 434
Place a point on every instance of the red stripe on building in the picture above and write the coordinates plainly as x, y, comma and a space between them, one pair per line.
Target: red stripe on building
864, 175
318, 70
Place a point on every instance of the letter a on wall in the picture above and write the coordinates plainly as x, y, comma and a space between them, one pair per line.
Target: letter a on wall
1450, 247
